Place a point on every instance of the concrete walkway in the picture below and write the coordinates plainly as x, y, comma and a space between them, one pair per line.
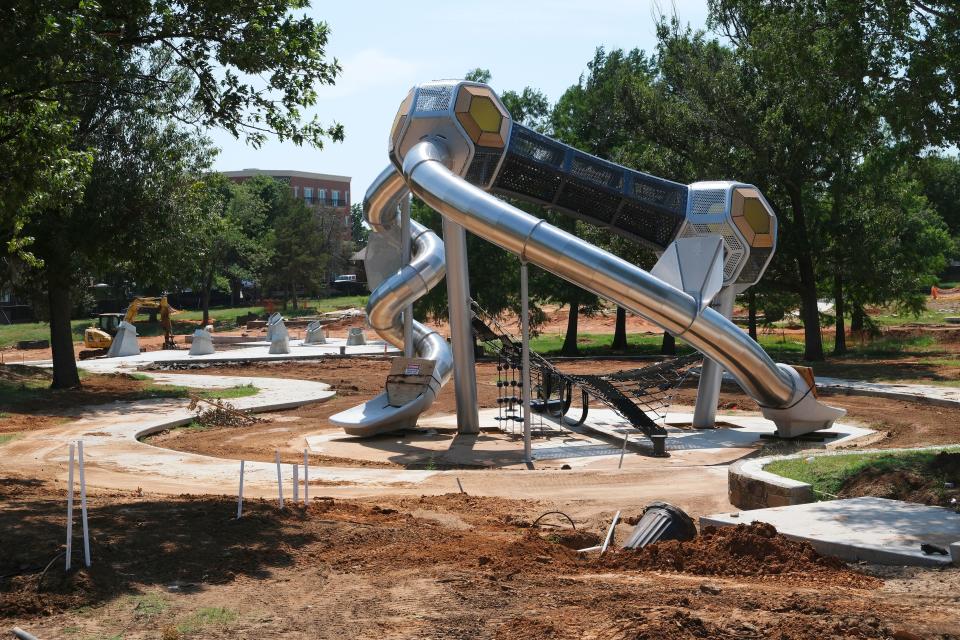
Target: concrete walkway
865, 529
925, 393
118, 460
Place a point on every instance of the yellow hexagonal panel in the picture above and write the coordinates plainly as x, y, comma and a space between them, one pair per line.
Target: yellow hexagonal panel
484, 120
752, 217
485, 114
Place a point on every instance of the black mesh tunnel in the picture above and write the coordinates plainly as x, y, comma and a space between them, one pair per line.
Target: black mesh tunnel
635, 205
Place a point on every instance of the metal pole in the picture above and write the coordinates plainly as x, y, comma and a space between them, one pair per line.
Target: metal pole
711, 373
83, 506
70, 511
240, 494
461, 333
404, 261
306, 478
525, 357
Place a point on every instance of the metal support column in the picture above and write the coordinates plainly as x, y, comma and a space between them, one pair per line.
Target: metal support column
711, 373
525, 358
404, 261
461, 332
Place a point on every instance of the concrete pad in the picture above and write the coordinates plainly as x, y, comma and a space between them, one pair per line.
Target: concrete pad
737, 431
258, 353
596, 445
874, 530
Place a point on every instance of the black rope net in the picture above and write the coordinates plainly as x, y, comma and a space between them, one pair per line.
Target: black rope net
642, 396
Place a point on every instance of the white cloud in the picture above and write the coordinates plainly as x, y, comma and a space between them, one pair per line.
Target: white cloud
371, 69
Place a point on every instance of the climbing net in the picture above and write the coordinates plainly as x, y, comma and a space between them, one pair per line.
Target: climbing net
642, 396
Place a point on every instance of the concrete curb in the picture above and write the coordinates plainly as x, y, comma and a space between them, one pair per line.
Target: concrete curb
750, 487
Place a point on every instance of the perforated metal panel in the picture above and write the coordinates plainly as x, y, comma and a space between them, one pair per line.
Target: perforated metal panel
734, 250
598, 173
483, 166
635, 205
434, 98
756, 263
708, 202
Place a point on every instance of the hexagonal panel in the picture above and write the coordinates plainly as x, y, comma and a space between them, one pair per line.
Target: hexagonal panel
482, 116
752, 217
400, 118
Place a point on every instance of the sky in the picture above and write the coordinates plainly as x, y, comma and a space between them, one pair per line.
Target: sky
387, 47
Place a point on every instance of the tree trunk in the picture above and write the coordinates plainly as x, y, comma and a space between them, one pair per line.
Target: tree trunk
620, 331
840, 340
669, 345
569, 347
813, 342
856, 319
293, 288
205, 299
65, 375
752, 315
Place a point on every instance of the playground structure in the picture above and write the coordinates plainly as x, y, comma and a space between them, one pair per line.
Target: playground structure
454, 145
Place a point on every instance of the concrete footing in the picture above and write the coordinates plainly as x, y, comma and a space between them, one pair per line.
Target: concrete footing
202, 343
874, 530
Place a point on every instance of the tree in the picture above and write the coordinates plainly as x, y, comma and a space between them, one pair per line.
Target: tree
359, 231
826, 83
129, 68
229, 241
303, 245
939, 177
133, 213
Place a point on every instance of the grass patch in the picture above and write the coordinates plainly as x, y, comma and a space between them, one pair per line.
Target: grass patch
222, 318
8, 437
828, 474
176, 391
148, 605
207, 617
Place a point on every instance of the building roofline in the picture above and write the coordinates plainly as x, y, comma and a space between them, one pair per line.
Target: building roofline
281, 173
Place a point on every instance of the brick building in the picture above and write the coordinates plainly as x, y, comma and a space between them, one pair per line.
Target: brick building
328, 194
318, 189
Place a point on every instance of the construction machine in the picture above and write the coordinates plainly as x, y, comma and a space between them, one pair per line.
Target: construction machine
97, 339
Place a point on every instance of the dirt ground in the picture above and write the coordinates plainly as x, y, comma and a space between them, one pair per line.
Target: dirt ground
47, 407
356, 380
450, 566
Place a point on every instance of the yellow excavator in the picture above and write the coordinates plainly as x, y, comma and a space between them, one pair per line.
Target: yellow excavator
97, 339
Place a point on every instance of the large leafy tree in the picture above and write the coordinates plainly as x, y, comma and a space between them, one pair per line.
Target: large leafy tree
230, 241
77, 69
827, 82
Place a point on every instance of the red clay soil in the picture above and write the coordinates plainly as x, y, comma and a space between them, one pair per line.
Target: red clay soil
935, 484
744, 550
901, 423
43, 407
451, 566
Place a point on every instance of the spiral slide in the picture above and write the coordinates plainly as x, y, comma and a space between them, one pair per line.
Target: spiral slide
455, 145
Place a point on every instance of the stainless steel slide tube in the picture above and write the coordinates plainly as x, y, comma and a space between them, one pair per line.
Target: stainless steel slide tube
425, 270
593, 269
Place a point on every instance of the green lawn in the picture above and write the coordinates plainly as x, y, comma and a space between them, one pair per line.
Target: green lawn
827, 474
224, 318
36, 389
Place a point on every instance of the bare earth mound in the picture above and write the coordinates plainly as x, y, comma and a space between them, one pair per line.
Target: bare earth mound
744, 550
